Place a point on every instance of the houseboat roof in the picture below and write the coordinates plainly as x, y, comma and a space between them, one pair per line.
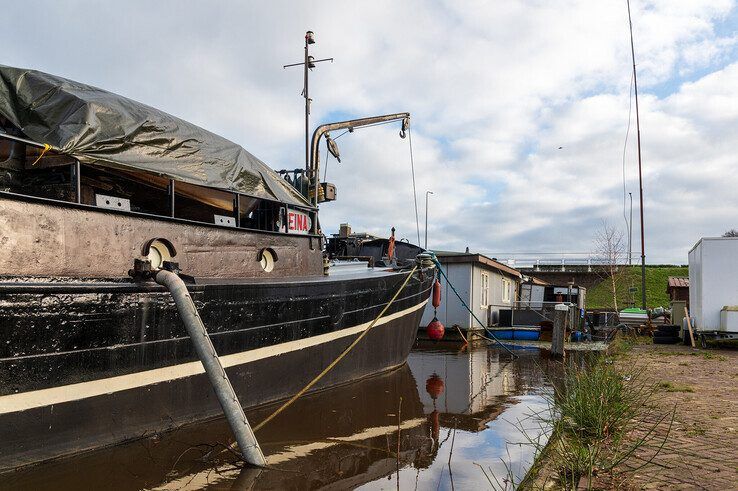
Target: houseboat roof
445, 257
102, 128
677, 282
535, 281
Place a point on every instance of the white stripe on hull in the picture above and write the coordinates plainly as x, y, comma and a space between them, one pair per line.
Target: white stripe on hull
66, 393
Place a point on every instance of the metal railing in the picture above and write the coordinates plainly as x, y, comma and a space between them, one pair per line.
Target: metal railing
541, 311
561, 264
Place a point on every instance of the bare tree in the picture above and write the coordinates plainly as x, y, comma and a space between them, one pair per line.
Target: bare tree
731, 233
610, 252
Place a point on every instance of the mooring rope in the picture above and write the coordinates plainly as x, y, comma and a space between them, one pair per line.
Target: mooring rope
440, 269
339, 358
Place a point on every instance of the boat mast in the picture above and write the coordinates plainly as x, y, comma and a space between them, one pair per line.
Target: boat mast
308, 64
309, 39
640, 173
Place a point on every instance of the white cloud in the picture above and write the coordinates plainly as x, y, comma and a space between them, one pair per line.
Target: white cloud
494, 88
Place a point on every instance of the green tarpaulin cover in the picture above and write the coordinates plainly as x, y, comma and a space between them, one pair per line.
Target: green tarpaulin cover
101, 128
633, 310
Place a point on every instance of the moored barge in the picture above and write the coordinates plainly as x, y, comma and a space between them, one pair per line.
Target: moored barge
91, 181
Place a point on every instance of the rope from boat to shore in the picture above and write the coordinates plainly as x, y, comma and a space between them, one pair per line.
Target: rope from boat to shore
339, 358
440, 269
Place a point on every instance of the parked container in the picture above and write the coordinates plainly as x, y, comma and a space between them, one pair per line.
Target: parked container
713, 282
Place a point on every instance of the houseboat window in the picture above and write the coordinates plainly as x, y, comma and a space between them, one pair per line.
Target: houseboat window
506, 290
142, 192
23, 172
203, 204
261, 214
485, 290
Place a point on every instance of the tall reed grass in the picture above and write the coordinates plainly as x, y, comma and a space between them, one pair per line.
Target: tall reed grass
599, 415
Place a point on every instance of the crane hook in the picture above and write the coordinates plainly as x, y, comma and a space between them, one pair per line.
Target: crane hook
405, 126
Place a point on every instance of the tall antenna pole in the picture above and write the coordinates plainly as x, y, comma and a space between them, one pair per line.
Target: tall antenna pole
630, 232
640, 173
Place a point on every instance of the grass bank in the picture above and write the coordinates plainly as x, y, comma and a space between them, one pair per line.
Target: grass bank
594, 406
600, 296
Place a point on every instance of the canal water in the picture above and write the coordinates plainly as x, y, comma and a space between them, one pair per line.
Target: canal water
451, 418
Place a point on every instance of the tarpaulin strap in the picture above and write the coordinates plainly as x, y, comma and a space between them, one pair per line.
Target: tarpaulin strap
340, 357
47, 147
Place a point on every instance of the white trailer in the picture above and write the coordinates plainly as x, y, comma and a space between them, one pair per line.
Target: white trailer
713, 287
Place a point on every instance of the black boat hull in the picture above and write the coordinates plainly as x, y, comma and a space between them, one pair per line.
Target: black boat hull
130, 372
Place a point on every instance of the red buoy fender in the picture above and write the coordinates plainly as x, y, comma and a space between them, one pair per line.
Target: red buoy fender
435, 330
434, 386
436, 294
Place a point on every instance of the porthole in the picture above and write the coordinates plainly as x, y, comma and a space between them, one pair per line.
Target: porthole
157, 251
267, 258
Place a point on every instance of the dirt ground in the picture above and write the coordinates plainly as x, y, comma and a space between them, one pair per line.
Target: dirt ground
701, 451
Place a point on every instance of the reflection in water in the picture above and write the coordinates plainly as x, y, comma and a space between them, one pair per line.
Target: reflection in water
434, 387
399, 428
480, 404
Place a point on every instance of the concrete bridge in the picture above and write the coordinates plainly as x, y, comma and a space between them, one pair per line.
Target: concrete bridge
583, 271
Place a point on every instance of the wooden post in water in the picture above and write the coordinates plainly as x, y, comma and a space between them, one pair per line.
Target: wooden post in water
559, 327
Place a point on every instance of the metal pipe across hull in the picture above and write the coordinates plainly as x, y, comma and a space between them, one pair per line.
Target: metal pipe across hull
218, 378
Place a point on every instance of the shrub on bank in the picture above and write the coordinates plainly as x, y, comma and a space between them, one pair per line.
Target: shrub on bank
594, 407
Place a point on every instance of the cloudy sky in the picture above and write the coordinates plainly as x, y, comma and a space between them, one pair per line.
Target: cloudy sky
519, 108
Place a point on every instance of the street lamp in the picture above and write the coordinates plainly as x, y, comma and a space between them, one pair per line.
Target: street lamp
426, 218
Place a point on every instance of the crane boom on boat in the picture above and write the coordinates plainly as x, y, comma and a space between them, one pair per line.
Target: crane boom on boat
350, 125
